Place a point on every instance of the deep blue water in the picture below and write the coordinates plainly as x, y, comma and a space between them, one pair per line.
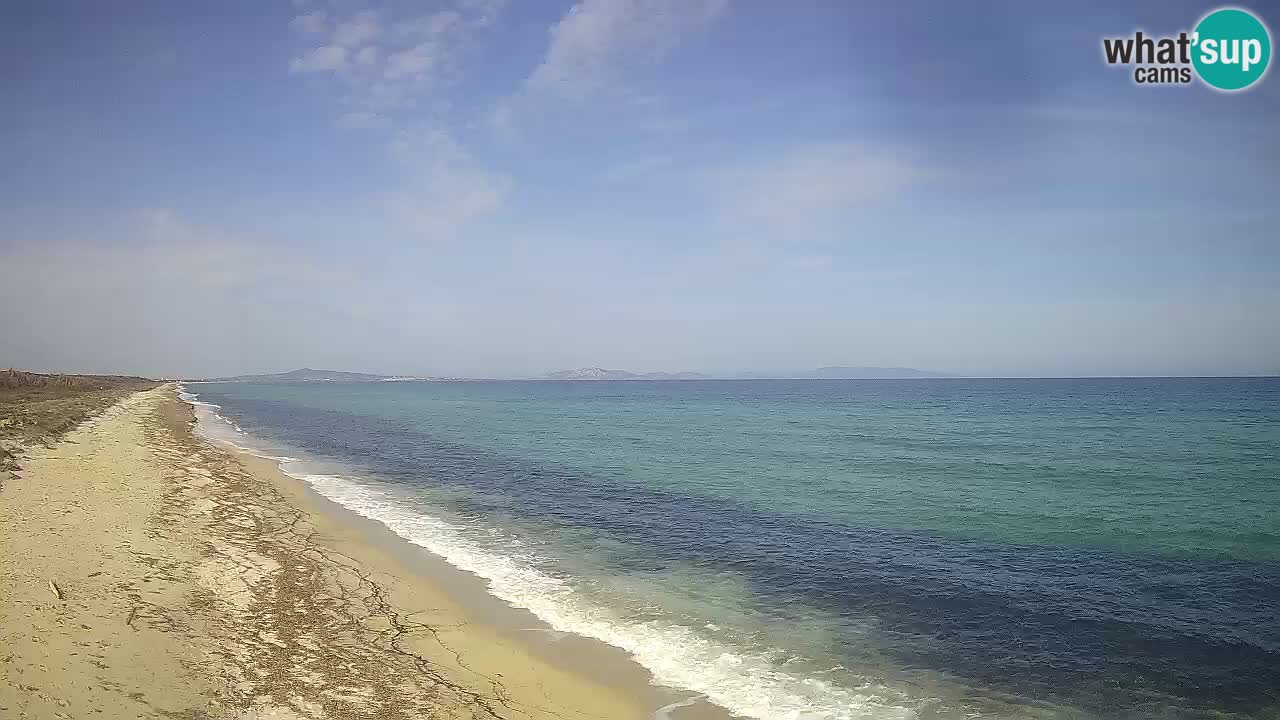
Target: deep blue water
1061, 548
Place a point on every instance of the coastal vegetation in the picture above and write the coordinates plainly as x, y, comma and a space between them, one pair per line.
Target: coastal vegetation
41, 407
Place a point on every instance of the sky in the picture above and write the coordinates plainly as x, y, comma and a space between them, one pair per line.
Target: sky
489, 188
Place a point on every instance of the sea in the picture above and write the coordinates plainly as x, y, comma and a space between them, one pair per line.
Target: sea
839, 549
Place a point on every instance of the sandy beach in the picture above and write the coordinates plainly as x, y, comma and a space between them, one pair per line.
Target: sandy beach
147, 572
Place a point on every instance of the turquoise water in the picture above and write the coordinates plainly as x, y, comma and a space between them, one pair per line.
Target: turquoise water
839, 549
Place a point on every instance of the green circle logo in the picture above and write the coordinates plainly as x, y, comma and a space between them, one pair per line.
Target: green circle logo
1231, 49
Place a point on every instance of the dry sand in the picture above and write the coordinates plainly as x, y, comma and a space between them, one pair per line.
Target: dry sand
145, 572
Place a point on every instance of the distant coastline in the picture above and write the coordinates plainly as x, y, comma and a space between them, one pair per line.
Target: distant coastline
834, 372
311, 375
603, 374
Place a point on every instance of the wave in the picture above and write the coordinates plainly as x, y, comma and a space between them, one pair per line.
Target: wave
743, 682
215, 426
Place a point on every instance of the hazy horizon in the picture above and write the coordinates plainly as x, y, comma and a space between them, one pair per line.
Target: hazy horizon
483, 188
745, 374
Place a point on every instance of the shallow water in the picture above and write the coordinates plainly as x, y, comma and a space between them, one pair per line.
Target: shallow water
841, 549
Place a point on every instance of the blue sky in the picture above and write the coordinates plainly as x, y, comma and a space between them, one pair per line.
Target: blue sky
493, 188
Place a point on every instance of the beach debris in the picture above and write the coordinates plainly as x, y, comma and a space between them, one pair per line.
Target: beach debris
133, 612
53, 588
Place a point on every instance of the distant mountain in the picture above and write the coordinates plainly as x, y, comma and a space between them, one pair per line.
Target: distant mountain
591, 373
310, 375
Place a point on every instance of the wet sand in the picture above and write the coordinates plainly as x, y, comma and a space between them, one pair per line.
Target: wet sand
147, 572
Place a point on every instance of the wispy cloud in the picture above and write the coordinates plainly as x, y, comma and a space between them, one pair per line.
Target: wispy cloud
361, 121
639, 167
366, 57
414, 62
357, 31
157, 293
312, 22
814, 185
598, 36
446, 187
158, 244
385, 68
596, 42
383, 63
321, 59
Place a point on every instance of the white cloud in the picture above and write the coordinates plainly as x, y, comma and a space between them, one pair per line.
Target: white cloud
383, 63
386, 66
357, 31
430, 27
597, 35
593, 46
383, 96
413, 62
313, 22
321, 59
446, 187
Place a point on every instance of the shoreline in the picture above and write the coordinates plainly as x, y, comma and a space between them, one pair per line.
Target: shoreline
716, 670
592, 659
150, 572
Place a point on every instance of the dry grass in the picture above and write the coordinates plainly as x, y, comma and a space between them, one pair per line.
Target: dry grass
39, 408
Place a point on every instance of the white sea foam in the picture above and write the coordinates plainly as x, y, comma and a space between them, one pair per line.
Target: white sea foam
214, 426
745, 683
664, 712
